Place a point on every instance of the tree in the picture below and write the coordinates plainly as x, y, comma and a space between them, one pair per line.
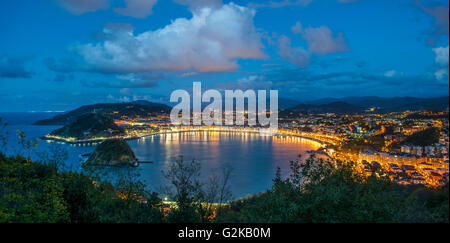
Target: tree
55, 157
197, 201
4, 134
27, 145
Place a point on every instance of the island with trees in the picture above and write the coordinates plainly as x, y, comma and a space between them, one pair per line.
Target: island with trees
114, 152
90, 126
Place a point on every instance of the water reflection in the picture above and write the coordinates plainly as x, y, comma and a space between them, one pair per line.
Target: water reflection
254, 158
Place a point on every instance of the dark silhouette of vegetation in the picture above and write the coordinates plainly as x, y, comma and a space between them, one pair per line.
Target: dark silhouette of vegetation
359, 144
115, 152
429, 136
197, 201
4, 133
135, 109
90, 126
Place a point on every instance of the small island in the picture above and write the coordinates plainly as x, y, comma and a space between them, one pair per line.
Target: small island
88, 127
115, 152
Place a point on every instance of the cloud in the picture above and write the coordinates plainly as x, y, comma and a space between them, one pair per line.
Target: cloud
391, 73
129, 97
137, 8
348, 1
297, 28
133, 8
441, 74
280, 4
140, 80
63, 65
253, 82
441, 55
125, 91
295, 55
60, 78
301, 83
126, 81
321, 41
440, 15
198, 4
78, 7
442, 61
212, 40
119, 26
287, 3
13, 67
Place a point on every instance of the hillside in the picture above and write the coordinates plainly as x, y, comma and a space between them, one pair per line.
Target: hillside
427, 137
89, 126
112, 110
335, 107
390, 104
112, 153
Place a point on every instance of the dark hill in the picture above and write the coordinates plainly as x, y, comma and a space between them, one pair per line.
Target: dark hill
112, 153
113, 110
335, 107
394, 104
90, 126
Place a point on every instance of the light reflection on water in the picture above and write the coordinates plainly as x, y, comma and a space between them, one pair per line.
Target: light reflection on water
254, 157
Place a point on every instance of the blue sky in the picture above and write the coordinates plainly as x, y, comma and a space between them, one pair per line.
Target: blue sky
60, 54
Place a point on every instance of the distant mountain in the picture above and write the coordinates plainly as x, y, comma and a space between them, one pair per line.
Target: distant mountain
112, 110
282, 103
147, 103
390, 104
89, 126
285, 103
334, 107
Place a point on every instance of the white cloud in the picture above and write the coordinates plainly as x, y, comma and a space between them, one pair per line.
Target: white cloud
128, 96
78, 7
137, 8
441, 55
212, 40
441, 74
442, 61
390, 73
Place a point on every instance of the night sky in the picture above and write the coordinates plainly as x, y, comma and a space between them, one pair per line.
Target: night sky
60, 54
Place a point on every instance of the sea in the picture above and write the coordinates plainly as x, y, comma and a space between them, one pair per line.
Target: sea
254, 158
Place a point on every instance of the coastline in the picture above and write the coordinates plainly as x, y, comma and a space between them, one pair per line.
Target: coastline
205, 129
